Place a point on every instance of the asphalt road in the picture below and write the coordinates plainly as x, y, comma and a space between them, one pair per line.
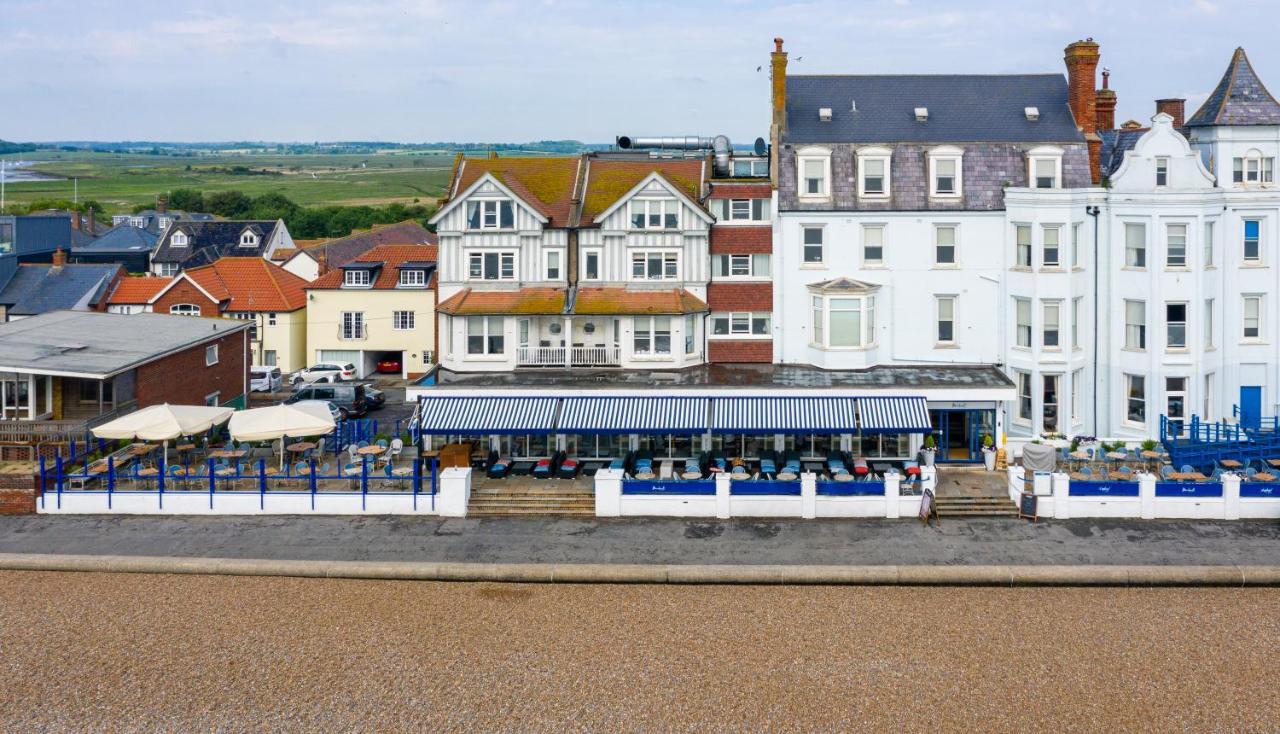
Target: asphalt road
666, 541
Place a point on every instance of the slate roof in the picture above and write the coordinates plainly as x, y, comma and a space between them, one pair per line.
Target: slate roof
1114, 145
610, 180
251, 284
544, 183
389, 258
340, 251
36, 289
208, 241
963, 108
137, 291
1239, 99
121, 238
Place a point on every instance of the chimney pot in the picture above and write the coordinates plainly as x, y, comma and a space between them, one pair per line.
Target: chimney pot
59, 258
1173, 107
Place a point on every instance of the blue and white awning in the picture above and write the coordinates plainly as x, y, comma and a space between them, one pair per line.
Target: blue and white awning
656, 415
783, 415
481, 416
893, 415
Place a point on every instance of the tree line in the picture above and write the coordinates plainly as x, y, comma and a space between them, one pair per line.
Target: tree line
304, 222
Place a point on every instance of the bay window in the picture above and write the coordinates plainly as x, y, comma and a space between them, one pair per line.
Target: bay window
485, 335
1175, 236
651, 335
1049, 402
844, 322
1050, 250
1175, 325
1252, 241
1051, 331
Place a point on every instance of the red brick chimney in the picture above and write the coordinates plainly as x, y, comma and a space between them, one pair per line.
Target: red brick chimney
162, 204
1173, 107
1081, 58
1105, 104
89, 222
59, 258
75, 219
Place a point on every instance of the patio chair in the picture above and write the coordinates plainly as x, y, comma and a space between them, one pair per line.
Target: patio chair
1217, 474
179, 475
499, 469
569, 468
1087, 473
1250, 473
1165, 471
860, 467
383, 443
353, 451
836, 463
768, 463
1187, 469
397, 448
1124, 473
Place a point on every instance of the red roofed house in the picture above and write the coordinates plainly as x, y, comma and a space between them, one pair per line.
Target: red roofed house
376, 311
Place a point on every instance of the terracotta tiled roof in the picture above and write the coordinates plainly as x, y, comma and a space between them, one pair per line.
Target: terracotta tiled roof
391, 257
610, 180
546, 184
741, 240
735, 190
250, 284
611, 301
137, 291
283, 253
531, 301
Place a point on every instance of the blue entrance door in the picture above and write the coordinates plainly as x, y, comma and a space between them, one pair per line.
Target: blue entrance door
1250, 406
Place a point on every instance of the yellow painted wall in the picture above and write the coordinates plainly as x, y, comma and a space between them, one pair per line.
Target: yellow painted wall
324, 317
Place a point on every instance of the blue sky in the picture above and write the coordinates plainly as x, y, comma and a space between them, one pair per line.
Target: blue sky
425, 70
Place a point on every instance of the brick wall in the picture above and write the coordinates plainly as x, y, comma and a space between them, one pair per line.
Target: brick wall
723, 296
185, 292
17, 494
183, 378
741, 240
746, 350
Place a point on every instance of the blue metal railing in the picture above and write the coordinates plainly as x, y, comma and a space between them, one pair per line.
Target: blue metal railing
1204, 444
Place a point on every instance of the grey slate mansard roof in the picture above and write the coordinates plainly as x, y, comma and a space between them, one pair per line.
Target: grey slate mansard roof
96, 345
36, 289
208, 241
1239, 99
963, 108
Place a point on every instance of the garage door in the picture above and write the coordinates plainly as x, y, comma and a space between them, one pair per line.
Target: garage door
342, 356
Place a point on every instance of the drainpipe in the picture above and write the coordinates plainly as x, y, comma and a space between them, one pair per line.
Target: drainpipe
1094, 211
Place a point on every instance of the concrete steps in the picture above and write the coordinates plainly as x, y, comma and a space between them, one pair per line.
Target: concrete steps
976, 507
526, 501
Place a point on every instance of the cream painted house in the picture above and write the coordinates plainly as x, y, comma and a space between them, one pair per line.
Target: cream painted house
378, 309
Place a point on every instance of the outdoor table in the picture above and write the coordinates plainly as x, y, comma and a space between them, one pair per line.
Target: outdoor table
404, 471
185, 447
786, 476
1230, 464
1263, 477
141, 449
881, 468
1151, 454
1274, 462
1081, 455
99, 467
372, 450
149, 472
1186, 476
645, 475
691, 475
1117, 455
300, 446
1079, 477
844, 476
227, 454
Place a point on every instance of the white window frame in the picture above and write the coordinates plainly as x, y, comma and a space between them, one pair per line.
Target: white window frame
1170, 326
412, 278
1135, 341
1252, 169
954, 156
1055, 379
666, 209
213, 399
587, 254
955, 245
486, 208
884, 156
1022, 251
1026, 398
666, 259
1127, 385
271, 318
1056, 262
1077, 390
1023, 331
1170, 258
822, 156
741, 325
867, 244
647, 327
1244, 241
949, 300
249, 239
351, 325
1206, 408
745, 210
822, 308
756, 266
1162, 172
1133, 250
1076, 307
357, 278
1208, 244
184, 309
1048, 307
210, 355
1257, 300
403, 320
1209, 336
178, 239
547, 265
504, 258
1075, 245
491, 327
1048, 154
805, 262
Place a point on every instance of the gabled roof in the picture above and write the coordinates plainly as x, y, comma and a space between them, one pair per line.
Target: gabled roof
544, 183
1239, 99
121, 238
963, 108
526, 301
608, 181
36, 289
250, 284
342, 250
137, 291
390, 258
208, 241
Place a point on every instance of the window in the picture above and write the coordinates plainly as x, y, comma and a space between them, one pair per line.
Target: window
402, 320
651, 335
552, 264
1162, 172
1175, 236
813, 177
746, 210
873, 177
1076, 307
1175, 325
740, 266
490, 214
352, 325
1077, 390
1024, 395
1135, 398
1175, 399
1075, 245
356, 279
491, 266
271, 319
213, 399
1049, 402
655, 266
1044, 167
1051, 334
1252, 241
1135, 325
1252, 318
1253, 168
844, 322
163, 223
246, 316
269, 358
1049, 247
944, 245
179, 239
1208, 323
1208, 244
873, 245
485, 335
741, 323
210, 355
813, 245
1022, 319
946, 319
945, 171
690, 330
750, 167
1135, 245
655, 214
413, 279
819, 321
1206, 410
591, 265
184, 309
248, 239
167, 270
1022, 236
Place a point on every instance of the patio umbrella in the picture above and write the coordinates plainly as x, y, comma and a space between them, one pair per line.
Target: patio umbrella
163, 423
281, 421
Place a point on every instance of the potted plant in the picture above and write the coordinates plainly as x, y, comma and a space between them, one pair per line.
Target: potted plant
929, 448
989, 451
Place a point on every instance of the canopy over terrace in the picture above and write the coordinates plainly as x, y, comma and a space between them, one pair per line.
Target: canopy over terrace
163, 422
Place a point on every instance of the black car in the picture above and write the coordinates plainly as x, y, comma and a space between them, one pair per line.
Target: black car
373, 397
350, 399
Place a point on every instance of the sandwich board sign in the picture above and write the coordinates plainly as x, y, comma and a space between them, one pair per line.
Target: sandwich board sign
929, 508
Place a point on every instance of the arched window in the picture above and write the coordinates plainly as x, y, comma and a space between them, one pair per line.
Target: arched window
184, 309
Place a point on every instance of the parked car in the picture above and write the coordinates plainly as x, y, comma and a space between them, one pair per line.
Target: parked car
350, 399
334, 410
324, 372
374, 397
265, 379
389, 366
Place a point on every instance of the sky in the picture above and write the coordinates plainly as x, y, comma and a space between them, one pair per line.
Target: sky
505, 71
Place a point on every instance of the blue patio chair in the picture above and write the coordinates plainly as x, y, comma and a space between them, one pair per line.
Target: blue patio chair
301, 469
1087, 472
1250, 473
1165, 471
1124, 472
383, 443
1186, 469
1217, 475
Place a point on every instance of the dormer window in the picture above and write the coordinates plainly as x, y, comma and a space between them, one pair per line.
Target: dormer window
179, 239
945, 171
655, 214
412, 278
1044, 167
164, 223
873, 172
139, 222
248, 239
814, 169
490, 214
357, 279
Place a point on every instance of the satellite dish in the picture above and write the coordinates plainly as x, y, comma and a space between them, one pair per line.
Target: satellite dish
761, 147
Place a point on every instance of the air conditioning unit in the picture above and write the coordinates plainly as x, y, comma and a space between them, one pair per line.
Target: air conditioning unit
824, 114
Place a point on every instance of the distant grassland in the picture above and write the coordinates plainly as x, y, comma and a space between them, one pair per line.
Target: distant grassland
122, 181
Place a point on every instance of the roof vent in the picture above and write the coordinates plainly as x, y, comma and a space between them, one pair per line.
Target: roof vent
853, 105
922, 114
1033, 113
824, 114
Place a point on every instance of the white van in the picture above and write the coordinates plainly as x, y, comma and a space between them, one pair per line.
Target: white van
265, 379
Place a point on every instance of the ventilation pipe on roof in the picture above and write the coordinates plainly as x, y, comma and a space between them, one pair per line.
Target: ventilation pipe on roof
719, 145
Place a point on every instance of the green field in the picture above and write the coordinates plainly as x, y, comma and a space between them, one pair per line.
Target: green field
123, 181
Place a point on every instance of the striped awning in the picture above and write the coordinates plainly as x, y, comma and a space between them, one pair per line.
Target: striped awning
783, 415
480, 416
893, 415
655, 415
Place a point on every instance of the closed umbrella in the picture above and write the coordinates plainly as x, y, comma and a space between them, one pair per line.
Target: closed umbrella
281, 421
163, 423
